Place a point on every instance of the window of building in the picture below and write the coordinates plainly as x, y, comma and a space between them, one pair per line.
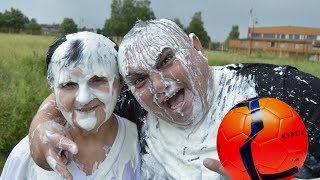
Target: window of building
243, 43
272, 44
296, 36
298, 46
256, 35
282, 36
269, 36
290, 36
311, 37
283, 45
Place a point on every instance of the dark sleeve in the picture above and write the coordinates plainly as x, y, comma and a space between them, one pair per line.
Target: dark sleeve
302, 92
128, 107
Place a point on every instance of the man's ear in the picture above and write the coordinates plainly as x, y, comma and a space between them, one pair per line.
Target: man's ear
196, 43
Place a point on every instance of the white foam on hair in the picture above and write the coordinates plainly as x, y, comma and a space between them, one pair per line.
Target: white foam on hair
99, 58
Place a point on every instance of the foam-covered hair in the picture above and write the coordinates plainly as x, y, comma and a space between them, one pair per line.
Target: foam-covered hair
79, 48
150, 37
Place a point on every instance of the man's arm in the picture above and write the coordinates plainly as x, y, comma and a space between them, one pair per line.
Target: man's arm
49, 144
302, 92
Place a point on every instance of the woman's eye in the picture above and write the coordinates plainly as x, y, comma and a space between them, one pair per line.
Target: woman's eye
69, 85
98, 80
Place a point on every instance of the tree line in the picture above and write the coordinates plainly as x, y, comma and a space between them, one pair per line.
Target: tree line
124, 13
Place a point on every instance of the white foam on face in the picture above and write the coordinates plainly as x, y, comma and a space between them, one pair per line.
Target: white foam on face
139, 54
98, 58
86, 121
177, 153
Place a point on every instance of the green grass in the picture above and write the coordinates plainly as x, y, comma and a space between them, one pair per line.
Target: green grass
23, 84
222, 58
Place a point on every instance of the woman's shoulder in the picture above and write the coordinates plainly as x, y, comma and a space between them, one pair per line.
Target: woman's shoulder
130, 127
19, 163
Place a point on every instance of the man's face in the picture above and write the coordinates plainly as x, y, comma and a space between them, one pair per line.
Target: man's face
168, 79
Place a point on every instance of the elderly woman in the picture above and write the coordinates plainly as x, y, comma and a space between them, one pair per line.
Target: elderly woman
83, 74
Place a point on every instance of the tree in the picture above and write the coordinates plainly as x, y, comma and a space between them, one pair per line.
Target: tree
33, 27
1, 21
13, 20
178, 22
68, 26
215, 46
143, 11
124, 13
234, 33
196, 26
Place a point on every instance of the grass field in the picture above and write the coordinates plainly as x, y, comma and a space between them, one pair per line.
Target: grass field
222, 58
23, 83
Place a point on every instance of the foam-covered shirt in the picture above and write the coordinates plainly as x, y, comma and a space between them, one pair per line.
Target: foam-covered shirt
121, 163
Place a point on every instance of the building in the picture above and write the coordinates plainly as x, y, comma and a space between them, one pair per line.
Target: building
288, 41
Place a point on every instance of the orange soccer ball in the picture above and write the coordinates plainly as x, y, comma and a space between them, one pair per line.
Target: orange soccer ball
262, 138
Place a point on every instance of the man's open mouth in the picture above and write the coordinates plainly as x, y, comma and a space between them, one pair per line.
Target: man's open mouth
175, 100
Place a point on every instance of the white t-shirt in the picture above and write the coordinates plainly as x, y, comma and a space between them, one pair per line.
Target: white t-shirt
122, 161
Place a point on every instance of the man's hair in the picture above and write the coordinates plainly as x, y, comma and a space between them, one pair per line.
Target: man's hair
141, 27
73, 53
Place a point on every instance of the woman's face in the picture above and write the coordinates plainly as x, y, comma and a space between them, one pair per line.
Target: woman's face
83, 72
86, 97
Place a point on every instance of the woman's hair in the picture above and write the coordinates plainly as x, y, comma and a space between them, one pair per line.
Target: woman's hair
72, 49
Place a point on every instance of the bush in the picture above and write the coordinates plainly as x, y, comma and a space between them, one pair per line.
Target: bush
22, 91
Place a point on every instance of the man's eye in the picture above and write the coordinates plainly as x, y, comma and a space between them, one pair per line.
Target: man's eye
139, 82
166, 60
69, 85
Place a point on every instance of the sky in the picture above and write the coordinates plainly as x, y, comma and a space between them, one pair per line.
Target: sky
218, 15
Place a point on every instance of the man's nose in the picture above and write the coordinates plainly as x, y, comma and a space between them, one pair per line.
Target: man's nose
158, 82
84, 94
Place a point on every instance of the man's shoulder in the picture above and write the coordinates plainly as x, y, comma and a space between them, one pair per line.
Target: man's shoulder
252, 67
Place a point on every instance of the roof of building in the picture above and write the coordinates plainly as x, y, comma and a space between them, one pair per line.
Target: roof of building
286, 30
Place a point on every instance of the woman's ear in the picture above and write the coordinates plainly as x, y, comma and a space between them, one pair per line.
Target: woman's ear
196, 43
